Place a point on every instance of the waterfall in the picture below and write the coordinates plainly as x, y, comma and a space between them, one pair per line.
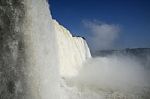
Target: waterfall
36, 52
28, 58
41, 59
72, 51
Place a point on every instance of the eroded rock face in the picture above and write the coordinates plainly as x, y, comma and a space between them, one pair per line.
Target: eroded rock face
11, 49
28, 55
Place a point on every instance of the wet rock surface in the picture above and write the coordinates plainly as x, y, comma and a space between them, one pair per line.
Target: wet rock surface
11, 49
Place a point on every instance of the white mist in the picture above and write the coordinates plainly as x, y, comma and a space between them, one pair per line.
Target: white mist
41, 51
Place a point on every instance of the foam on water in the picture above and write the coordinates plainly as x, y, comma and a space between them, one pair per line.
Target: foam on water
41, 51
40, 59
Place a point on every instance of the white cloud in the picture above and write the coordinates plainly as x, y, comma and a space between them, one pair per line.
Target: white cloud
102, 35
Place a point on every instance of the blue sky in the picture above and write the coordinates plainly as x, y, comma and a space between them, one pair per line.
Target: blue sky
132, 17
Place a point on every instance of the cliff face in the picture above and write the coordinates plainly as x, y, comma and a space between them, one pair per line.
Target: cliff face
137, 52
32, 49
12, 54
73, 51
28, 51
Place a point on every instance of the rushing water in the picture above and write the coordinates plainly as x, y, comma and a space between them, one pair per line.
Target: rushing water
28, 57
29, 61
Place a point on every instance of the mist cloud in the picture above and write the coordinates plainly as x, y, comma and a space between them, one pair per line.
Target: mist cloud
102, 35
115, 73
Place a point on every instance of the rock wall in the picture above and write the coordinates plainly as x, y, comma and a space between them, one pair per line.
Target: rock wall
35, 51
28, 51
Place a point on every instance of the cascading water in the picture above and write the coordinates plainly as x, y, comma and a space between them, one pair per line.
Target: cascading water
40, 59
28, 57
72, 51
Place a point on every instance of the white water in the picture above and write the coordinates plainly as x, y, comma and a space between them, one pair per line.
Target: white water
59, 66
41, 51
112, 77
72, 51
83, 77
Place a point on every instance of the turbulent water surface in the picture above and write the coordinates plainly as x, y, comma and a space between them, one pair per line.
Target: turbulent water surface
40, 59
